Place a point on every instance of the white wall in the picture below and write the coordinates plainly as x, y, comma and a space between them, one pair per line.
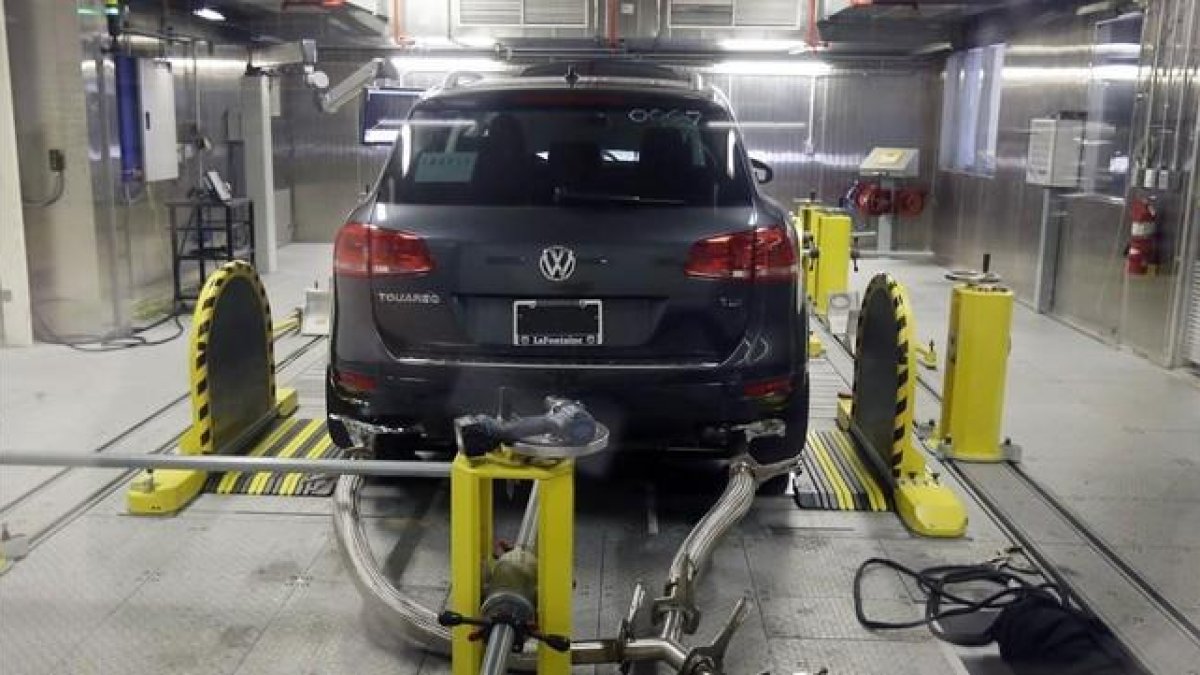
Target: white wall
51, 112
15, 322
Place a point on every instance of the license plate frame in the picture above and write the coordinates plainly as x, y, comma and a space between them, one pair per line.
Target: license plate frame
578, 336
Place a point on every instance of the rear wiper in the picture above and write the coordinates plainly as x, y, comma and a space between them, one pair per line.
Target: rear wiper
562, 194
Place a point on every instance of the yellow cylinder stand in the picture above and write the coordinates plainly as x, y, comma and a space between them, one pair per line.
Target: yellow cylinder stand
832, 273
977, 349
471, 550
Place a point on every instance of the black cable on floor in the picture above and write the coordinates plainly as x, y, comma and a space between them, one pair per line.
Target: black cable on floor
943, 600
1036, 625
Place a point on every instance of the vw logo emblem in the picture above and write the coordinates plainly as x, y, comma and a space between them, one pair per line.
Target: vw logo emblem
557, 263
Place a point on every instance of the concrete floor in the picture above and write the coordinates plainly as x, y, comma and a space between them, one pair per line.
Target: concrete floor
254, 585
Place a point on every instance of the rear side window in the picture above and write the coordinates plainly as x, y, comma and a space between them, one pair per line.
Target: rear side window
541, 148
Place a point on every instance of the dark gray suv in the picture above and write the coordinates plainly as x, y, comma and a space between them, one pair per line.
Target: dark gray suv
598, 238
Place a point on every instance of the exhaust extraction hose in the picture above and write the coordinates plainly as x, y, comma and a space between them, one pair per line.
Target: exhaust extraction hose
405, 617
402, 615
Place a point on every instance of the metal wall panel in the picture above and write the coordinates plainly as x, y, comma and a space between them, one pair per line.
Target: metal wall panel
1044, 73
1088, 290
774, 13
54, 99
1193, 325
556, 12
1047, 71
320, 158
489, 12
814, 132
1167, 129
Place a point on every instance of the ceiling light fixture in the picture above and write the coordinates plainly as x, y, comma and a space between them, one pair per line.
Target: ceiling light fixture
209, 13
803, 67
761, 45
417, 64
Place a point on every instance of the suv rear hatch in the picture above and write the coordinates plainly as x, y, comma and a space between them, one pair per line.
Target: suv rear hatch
565, 225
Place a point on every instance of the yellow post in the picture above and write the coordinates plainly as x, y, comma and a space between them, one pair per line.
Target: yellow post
556, 556
832, 274
806, 218
471, 551
973, 384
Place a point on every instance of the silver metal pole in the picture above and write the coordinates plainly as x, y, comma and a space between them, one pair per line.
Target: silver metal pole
527, 533
500, 642
344, 467
499, 646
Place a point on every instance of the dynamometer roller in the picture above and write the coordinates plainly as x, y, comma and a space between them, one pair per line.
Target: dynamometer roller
871, 462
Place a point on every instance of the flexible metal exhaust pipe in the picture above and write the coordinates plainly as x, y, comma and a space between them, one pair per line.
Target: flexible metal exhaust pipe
409, 619
693, 554
402, 615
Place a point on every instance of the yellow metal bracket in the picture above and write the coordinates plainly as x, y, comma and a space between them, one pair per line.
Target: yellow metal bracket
471, 527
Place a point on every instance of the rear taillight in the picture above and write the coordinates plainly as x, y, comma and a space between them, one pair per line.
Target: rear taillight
761, 255
351, 250
395, 253
775, 387
355, 383
774, 255
365, 250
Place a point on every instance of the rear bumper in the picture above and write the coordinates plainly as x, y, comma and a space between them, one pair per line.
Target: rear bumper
666, 403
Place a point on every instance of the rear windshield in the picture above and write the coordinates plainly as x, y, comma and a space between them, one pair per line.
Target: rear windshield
552, 147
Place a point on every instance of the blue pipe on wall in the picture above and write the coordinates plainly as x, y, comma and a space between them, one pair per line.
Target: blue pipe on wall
129, 132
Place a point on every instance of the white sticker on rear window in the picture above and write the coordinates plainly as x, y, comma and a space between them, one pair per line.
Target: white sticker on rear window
445, 167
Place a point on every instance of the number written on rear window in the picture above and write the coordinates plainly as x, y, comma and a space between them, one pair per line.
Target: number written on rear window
671, 116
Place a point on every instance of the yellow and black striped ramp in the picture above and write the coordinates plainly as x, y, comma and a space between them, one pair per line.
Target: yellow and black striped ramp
293, 438
834, 477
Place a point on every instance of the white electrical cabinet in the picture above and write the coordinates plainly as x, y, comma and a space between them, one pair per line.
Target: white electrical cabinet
160, 145
1054, 151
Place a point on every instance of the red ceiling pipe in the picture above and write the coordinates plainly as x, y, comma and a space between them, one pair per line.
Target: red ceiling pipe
610, 27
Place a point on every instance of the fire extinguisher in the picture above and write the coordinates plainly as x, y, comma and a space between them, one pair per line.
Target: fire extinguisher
1140, 255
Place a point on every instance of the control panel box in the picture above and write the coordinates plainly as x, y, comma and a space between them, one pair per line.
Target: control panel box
1054, 152
892, 163
160, 145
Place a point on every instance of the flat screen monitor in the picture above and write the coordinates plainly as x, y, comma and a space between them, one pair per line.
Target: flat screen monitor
217, 186
383, 111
